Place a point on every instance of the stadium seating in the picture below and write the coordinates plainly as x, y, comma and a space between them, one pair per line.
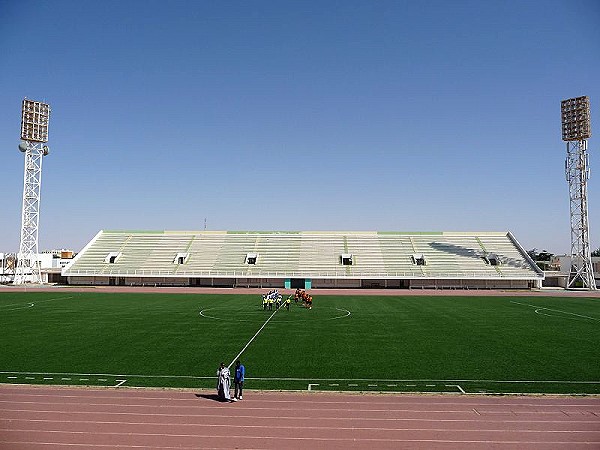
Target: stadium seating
369, 255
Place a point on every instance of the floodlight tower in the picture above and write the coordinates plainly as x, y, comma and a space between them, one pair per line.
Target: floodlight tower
34, 134
575, 117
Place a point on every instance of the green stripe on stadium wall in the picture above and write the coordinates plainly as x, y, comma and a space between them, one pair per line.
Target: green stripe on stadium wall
263, 232
133, 232
412, 233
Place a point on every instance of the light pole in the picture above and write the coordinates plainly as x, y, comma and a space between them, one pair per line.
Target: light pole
34, 134
575, 117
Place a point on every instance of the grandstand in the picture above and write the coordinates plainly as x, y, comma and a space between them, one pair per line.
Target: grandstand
305, 259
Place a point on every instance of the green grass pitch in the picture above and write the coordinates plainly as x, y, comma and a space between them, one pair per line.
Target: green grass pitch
520, 344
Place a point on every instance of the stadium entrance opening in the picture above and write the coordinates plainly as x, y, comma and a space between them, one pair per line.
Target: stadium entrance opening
297, 283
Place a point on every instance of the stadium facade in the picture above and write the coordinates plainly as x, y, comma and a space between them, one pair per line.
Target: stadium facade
305, 259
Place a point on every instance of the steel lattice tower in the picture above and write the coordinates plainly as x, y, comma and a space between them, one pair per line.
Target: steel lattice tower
34, 133
576, 130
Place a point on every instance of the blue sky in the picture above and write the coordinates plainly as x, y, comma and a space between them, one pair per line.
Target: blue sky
299, 115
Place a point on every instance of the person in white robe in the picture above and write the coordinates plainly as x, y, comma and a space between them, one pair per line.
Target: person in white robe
223, 383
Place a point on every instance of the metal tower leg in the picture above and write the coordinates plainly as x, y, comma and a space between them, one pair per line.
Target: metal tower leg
28, 267
577, 171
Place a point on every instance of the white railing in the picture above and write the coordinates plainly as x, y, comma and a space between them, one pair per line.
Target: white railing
304, 274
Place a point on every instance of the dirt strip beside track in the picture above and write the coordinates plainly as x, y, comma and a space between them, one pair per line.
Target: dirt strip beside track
58, 417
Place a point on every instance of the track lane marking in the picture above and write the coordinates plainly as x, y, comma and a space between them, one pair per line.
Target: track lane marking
303, 438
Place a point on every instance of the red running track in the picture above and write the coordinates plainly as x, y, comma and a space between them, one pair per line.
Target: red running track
59, 417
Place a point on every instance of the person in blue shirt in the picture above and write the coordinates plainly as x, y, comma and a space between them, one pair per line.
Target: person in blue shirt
238, 379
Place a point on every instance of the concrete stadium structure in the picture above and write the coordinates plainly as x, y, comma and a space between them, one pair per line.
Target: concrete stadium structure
305, 259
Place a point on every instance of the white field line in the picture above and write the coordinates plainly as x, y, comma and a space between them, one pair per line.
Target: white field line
253, 337
31, 304
538, 308
21, 305
120, 382
332, 380
537, 311
18, 308
458, 387
202, 313
348, 313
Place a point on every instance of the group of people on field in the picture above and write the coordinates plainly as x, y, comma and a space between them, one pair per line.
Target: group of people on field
302, 295
275, 299
224, 382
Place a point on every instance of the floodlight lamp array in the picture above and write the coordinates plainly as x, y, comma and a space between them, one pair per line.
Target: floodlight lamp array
575, 118
34, 121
